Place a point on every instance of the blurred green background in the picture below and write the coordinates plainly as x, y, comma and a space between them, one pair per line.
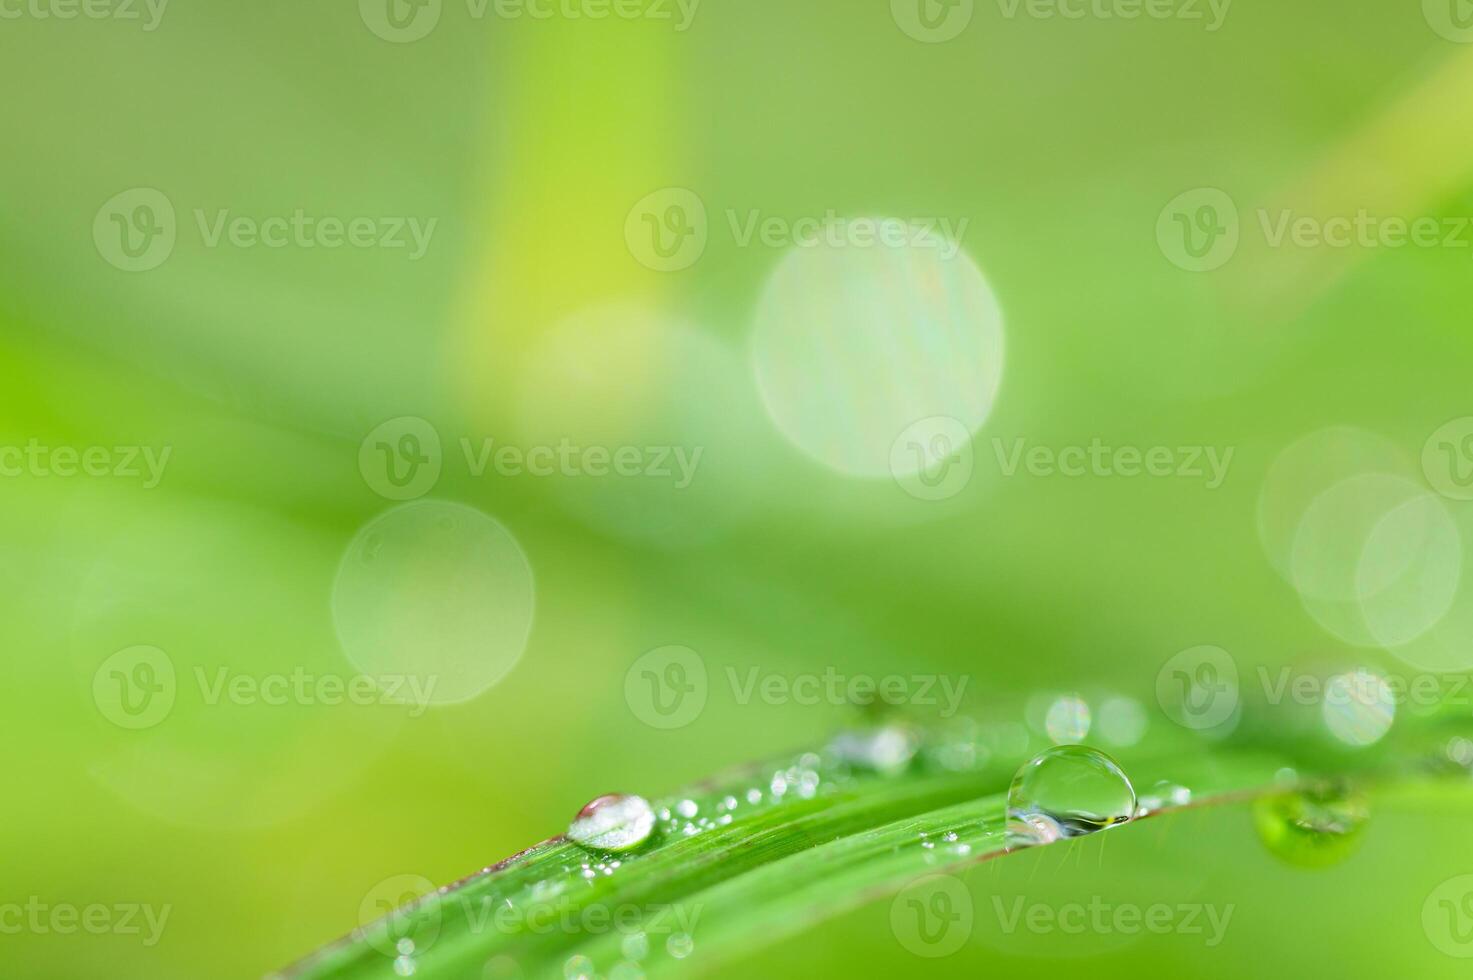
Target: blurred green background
534, 315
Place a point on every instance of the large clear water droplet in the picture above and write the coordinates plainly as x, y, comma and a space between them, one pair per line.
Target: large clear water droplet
613, 823
1312, 828
1067, 791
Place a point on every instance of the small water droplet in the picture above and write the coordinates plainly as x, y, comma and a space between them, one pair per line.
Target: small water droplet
404, 966
1067, 791
680, 945
885, 750
613, 823
1162, 795
1314, 827
687, 808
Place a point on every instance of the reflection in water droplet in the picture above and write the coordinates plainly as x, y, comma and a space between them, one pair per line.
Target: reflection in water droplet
1068, 720
680, 945
1312, 828
1358, 707
613, 823
578, 968
1067, 791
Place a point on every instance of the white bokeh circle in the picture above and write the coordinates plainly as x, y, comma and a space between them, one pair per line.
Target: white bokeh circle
852, 343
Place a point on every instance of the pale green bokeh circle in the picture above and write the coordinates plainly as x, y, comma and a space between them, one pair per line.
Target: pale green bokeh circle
438, 592
852, 343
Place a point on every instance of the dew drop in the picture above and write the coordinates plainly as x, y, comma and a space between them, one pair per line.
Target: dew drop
1162, 795
1311, 828
613, 823
887, 750
1460, 752
1067, 791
